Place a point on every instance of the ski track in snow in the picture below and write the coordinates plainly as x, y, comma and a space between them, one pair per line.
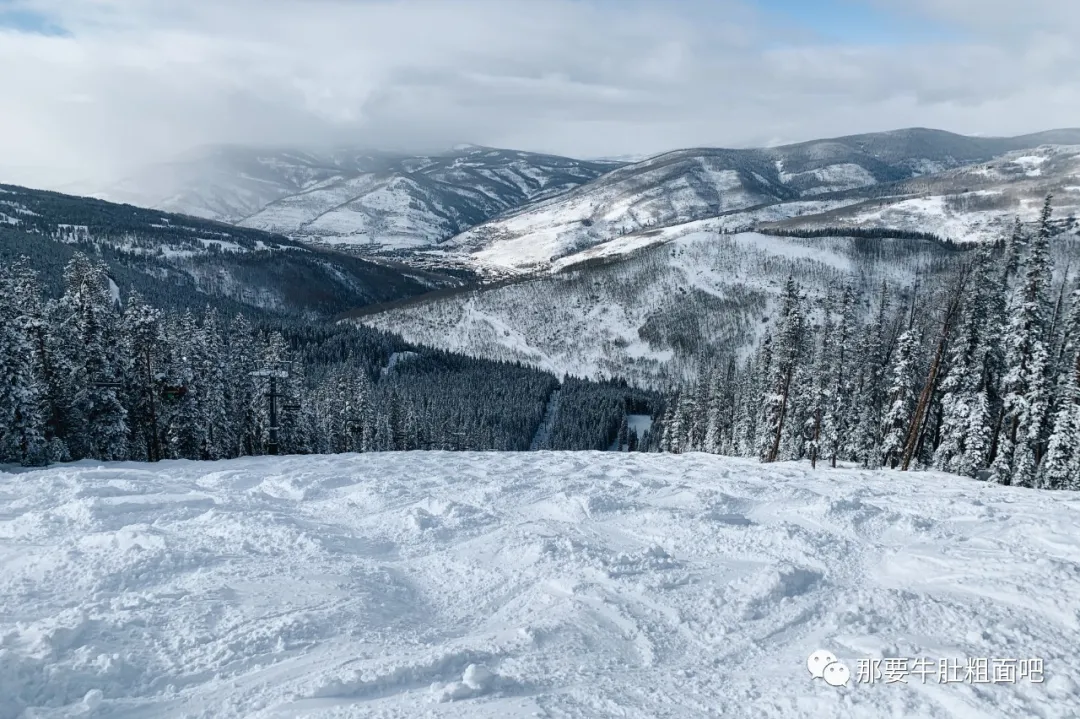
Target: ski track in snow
538, 584
542, 438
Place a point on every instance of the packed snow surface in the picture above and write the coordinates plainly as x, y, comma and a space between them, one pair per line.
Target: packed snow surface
524, 585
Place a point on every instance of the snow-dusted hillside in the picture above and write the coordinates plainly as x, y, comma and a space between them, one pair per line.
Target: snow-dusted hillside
970, 204
524, 585
521, 209
689, 185
177, 259
419, 201
654, 312
231, 183
350, 196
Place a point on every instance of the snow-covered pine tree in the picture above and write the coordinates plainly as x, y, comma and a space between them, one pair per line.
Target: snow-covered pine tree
727, 389
623, 441
1061, 467
1026, 386
791, 325
214, 397
22, 390
819, 397
185, 427
895, 423
682, 426
958, 391
842, 359
1012, 254
88, 329
925, 421
706, 376
144, 344
875, 349
755, 376
44, 342
719, 409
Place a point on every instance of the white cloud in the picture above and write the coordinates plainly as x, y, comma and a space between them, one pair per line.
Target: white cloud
136, 81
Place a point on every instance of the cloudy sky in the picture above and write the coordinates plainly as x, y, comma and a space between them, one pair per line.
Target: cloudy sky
90, 89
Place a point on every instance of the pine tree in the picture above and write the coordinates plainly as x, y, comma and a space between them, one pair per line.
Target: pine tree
243, 401
1026, 391
144, 343
1013, 252
818, 398
214, 409
718, 403
88, 324
1061, 468
22, 392
869, 395
841, 356
894, 426
756, 376
787, 353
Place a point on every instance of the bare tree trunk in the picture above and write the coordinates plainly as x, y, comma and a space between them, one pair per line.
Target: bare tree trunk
915, 429
774, 451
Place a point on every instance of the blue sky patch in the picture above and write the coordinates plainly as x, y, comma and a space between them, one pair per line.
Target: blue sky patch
23, 20
856, 22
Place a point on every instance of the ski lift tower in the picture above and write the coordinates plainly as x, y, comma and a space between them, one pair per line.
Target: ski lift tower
273, 371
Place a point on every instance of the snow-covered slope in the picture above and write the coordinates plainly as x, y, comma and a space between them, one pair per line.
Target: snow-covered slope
648, 306
420, 201
350, 196
178, 260
523, 585
231, 183
689, 185
970, 204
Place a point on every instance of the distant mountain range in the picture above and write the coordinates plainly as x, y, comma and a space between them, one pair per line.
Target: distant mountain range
635, 270
521, 209
355, 197
748, 187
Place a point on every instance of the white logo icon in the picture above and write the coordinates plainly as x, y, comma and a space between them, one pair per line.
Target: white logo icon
818, 661
824, 665
837, 675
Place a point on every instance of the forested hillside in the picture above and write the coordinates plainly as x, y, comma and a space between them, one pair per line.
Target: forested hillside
977, 374
176, 261
88, 375
656, 315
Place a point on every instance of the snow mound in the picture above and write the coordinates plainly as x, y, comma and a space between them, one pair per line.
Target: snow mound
521, 585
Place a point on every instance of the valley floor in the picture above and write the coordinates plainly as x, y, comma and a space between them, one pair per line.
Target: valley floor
536, 584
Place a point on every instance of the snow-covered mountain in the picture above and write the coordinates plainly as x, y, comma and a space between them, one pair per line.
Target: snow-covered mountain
529, 584
179, 260
650, 306
656, 306
231, 183
356, 197
968, 204
520, 209
688, 185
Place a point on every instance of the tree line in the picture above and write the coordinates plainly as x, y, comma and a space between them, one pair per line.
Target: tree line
978, 375
865, 233
86, 375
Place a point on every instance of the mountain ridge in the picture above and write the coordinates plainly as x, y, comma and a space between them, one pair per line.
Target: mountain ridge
178, 260
689, 185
